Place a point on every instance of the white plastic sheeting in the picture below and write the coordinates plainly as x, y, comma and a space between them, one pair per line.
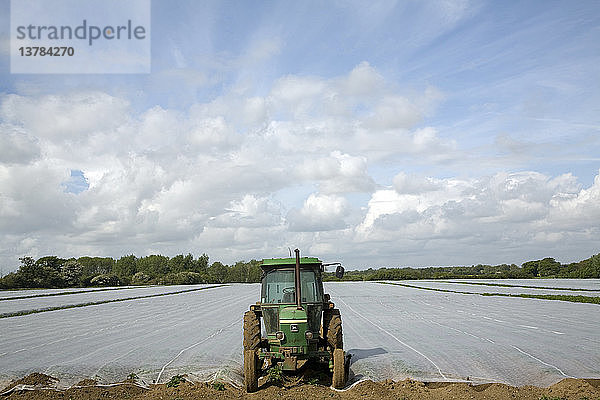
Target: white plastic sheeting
36, 292
391, 331
398, 332
35, 303
110, 341
593, 284
468, 286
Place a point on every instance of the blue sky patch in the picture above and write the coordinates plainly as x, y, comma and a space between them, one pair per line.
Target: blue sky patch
77, 183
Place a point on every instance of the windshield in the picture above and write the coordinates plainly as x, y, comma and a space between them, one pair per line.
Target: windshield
278, 287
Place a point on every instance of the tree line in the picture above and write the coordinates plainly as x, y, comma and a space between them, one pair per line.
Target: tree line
544, 268
55, 272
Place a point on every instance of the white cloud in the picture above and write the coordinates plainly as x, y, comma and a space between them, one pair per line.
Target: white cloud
16, 146
411, 184
255, 111
250, 212
205, 179
33, 199
393, 112
319, 213
58, 117
484, 217
298, 96
338, 173
362, 81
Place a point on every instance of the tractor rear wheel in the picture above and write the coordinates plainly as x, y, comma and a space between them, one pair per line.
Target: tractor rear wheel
252, 339
339, 369
251, 370
333, 323
251, 331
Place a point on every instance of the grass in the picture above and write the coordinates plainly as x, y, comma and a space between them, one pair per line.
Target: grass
275, 375
132, 377
175, 381
560, 297
220, 386
313, 381
94, 303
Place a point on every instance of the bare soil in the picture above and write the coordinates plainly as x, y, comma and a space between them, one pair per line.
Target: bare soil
41, 387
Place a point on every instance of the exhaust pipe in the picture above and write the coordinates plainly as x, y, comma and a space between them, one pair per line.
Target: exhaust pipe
297, 283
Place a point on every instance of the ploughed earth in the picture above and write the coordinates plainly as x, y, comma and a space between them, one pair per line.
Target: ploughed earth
40, 386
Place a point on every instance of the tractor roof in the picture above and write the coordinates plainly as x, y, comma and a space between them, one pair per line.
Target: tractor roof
274, 262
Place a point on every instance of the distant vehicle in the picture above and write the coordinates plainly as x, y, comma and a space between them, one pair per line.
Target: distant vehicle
302, 324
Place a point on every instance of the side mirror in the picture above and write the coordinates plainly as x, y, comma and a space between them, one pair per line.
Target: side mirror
339, 272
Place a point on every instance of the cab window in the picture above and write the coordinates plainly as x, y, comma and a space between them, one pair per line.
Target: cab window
278, 287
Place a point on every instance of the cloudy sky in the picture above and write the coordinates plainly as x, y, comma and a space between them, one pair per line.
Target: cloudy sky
404, 133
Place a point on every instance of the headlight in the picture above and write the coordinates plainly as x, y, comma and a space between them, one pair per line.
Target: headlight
308, 335
279, 335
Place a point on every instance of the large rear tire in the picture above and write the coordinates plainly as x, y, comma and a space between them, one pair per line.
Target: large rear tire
333, 323
252, 339
339, 369
251, 331
250, 370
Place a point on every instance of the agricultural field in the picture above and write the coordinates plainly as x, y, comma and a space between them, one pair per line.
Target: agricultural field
509, 287
24, 301
392, 332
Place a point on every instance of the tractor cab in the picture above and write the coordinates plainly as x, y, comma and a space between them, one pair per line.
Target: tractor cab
278, 281
300, 321
292, 310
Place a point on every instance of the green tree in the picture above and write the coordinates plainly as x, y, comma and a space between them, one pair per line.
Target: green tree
253, 271
548, 267
183, 278
177, 264
94, 266
201, 264
28, 272
217, 272
181, 263
44, 272
126, 267
237, 272
244, 272
154, 265
12, 280
105, 280
531, 268
140, 278
71, 272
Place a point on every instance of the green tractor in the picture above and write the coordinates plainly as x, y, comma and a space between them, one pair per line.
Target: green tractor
302, 326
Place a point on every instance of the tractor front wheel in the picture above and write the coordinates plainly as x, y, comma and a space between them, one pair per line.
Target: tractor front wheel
339, 369
251, 370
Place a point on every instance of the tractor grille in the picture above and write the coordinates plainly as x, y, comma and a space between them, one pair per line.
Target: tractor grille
313, 311
271, 318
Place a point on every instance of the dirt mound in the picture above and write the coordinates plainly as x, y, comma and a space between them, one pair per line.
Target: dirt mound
571, 388
35, 380
594, 382
575, 389
87, 382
